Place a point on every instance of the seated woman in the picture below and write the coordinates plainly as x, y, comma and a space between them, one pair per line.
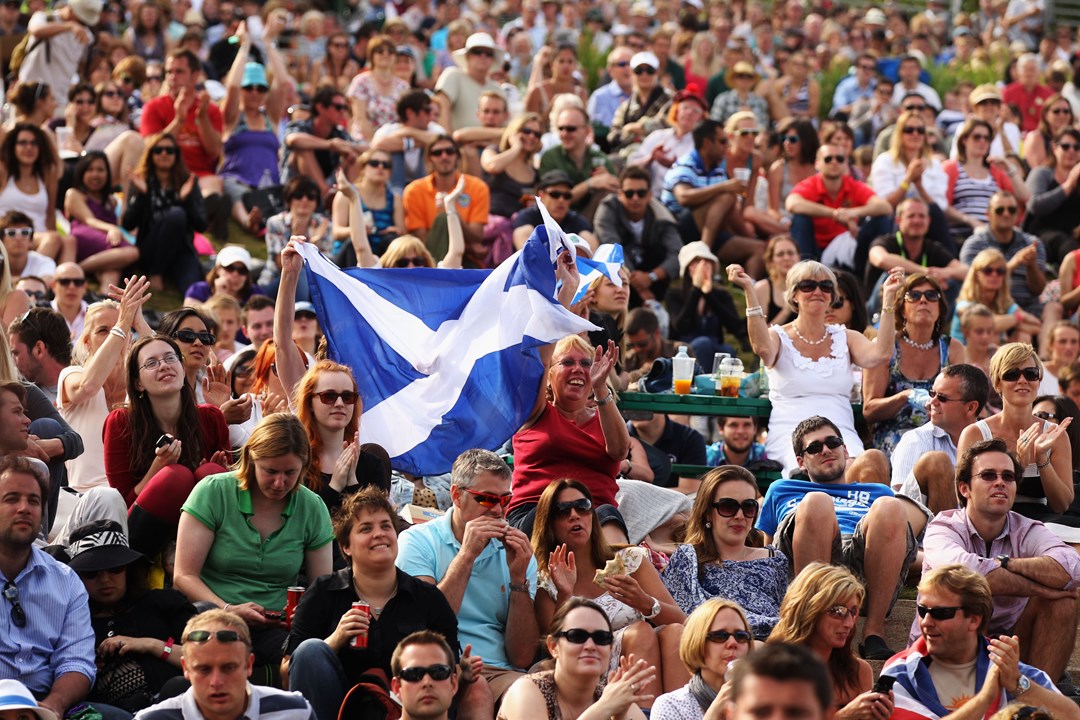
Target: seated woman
1045, 490
1064, 347
321, 661
720, 560
1053, 207
895, 395
580, 642
246, 535
137, 631
101, 247
570, 549
302, 218
703, 310
512, 176
716, 623
977, 324
161, 443
382, 213
973, 179
231, 275
987, 282
820, 611
29, 176
781, 254
77, 115
166, 208
569, 436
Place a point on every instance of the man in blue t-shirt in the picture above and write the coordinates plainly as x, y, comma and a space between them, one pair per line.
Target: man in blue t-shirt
833, 519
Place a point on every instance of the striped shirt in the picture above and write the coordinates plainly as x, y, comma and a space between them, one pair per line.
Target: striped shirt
689, 170
264, 703
58, 637
971, 196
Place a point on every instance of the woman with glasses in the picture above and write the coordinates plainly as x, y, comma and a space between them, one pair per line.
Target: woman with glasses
337, 67
849, 307
646, 108
1054, 202
820, 611
165, 208
570, 549
137, 631
375, 92
77, 115
95, 380
101, 246
800, 141
1056, 115
513, 177
808, 361
743, 129
29, 175
909, 169
161, 443
381, 210
302, 218
974, 177
251, 113
716, 635
1045, 489
895, 395
231, 276
1056, 408
721, 557
322, 660
987, 282
245, 536
580, 643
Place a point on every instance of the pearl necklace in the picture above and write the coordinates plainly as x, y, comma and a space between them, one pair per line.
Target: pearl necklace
810, 342
917, 346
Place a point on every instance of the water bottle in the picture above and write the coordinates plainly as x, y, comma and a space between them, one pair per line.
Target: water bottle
682, 366
267, 180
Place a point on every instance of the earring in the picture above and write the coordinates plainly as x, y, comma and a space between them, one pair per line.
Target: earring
708, 526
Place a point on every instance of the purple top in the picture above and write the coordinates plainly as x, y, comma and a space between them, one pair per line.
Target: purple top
951, 538
202, 291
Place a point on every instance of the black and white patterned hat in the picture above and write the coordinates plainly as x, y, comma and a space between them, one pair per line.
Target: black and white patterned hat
100, 545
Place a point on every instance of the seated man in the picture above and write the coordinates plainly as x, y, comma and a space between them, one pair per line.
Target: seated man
218, 661
704, 201
923, 462
17, 235
1032, 574
682, 444
647, 232
41, 347
827, 209
425, 677
957, 668
492, 114
737, 444
489, 584
645, 342
315, 147
555, 191
406, 139
69, 296
844, 515
589, 169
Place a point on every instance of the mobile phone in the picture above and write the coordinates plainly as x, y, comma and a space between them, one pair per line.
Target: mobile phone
884, 684
274, 615
164, 440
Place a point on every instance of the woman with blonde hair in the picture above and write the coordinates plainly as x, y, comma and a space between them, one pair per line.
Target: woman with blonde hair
987, 282
381, 210
714, 636
13, 302
820, 611
511, 167
909, 169
1045, 489
702, 61
781, 254
742, 129
719, 557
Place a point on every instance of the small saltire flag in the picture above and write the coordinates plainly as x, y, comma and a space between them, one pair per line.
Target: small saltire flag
446, 360
607, 262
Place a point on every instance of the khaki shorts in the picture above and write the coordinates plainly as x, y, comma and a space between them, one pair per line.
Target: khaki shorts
847, 550
499, 679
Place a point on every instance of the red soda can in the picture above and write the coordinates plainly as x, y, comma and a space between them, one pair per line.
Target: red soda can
360, 641
291, 601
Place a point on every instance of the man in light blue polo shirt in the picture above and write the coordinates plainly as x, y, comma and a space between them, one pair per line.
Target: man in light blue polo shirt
483, 566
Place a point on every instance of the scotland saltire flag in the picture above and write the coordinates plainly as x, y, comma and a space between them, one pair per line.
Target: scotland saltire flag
607, 262
446, 360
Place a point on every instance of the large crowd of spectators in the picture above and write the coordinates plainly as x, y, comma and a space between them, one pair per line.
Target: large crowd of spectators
876, 208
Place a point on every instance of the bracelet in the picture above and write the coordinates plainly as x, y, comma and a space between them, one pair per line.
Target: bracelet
166, 652
755, 311
1048, 454
629, 467
653, 277
523, 587
888, 310
905, 186
605, 401
226, 606
118, 332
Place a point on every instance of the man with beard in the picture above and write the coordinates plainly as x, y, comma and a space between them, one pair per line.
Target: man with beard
831, 518
737, 445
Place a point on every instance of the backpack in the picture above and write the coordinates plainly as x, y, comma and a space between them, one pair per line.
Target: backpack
370, 699
19, 53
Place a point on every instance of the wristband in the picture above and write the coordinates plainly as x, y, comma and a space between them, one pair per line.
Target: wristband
755, 311
523, 587
1048, 454
888, 310
118, 332
166, 652
905, 186
653, 277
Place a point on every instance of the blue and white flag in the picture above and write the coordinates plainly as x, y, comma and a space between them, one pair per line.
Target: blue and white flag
445, 360
606, 263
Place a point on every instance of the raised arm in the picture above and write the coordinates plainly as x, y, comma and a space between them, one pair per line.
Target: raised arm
230, 104
870, 353
357, 226
765, 344
456, 249
290, 364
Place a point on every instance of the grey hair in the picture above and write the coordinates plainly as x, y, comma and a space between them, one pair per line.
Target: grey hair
471, 463
807, 270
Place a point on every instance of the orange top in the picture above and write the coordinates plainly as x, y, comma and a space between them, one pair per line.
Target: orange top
419, 202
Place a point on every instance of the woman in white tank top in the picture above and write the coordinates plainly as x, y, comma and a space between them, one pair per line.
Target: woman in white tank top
29, 173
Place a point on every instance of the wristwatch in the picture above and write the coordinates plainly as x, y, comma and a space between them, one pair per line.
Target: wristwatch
1004, 560
523, 587
1022, 686
653, 277
655, 609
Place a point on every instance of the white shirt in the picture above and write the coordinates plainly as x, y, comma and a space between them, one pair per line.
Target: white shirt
76, 325
39, 265
913, 445
887, 174
929, 94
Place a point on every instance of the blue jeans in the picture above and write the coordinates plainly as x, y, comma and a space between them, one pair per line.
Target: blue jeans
316, 672
802, 231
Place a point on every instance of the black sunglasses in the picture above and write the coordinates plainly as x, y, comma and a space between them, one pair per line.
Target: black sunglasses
18, 615
917, 295
189, 336
410, 262
938, 613
1069, 146
832, 442
722, 636
833, 159
1030, 374
838, 302
809, 286
579, 636
644, 70
223, 636
993, 271
68, 282
257, 88
531, 132
791, 139
935, 395
582, 505
992, 475
1010, 209
443, 151
164, 150
385, 164
329, 397
727, 507
312, 195
439, 672
1043, 415
635, 193
559, 194
914, 130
